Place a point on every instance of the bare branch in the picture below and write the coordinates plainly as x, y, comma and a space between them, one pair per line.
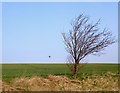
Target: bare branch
84, 39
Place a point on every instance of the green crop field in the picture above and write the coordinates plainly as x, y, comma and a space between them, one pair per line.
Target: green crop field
11, 71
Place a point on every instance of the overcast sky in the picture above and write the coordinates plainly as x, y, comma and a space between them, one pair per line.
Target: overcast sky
32, 31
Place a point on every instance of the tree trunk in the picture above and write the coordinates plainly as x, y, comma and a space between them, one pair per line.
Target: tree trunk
75, 71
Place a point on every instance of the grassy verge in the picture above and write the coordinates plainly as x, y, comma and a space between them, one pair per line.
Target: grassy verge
11, 71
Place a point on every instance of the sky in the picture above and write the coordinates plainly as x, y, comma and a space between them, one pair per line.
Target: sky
0, 33
32, 31
59, 0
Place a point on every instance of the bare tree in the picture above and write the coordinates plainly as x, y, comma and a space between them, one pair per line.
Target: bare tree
83, 39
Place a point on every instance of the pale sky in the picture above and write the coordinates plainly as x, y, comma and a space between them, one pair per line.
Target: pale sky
32, 31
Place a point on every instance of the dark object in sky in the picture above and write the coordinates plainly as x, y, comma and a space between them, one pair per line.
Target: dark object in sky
49, 56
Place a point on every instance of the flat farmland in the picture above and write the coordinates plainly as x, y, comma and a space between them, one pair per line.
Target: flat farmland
11, 71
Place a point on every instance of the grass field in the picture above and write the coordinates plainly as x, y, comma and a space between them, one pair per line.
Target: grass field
11, 71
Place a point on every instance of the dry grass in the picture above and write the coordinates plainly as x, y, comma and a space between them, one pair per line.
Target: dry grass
106, 82
0, 85
6, 87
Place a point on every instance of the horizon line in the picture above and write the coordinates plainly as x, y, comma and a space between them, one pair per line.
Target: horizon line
58, 62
